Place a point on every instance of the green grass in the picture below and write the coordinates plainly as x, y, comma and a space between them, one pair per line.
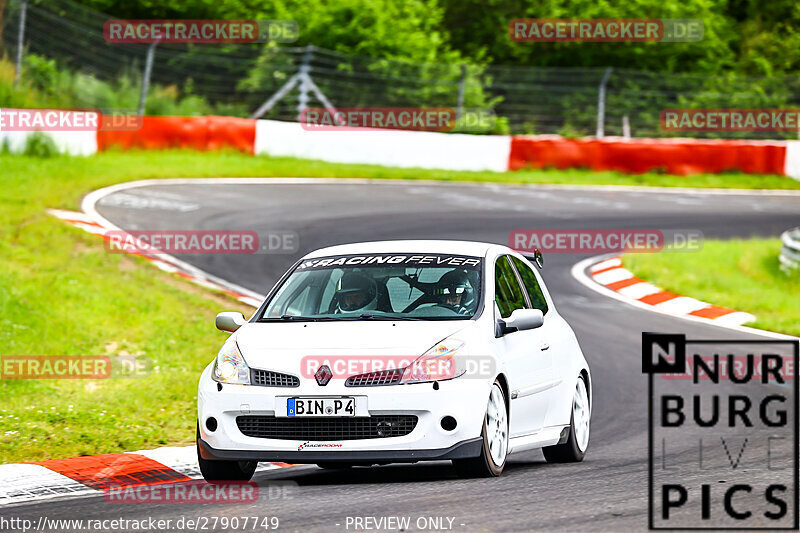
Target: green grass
739, 274
62, 294
113, 167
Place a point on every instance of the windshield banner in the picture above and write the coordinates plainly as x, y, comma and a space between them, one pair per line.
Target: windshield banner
403, 260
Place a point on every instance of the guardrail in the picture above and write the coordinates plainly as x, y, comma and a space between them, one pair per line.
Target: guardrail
790, 252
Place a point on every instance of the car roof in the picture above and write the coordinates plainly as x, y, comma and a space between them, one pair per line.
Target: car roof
475, 249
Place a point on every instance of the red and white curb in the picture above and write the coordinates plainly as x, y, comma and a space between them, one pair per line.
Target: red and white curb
94, 474
605, 275
165, 262
611, 274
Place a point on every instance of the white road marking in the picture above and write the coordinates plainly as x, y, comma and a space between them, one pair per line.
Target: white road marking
27, 482
681, 305
639, 290
136, 201
612, 276
608, 263
736, 318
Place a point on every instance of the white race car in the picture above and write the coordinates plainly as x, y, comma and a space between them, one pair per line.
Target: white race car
396, 351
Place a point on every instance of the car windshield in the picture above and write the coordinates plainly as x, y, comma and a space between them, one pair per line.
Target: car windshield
379, 287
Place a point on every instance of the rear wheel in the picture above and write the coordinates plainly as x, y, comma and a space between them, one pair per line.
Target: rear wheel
492, 459
575, 448
221, 471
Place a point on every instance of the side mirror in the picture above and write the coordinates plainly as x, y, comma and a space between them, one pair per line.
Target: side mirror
520, 320
538, 258
230, 321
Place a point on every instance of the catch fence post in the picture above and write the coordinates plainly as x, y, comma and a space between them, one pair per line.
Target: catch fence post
20, 41
601, 104
305, 86
148, 68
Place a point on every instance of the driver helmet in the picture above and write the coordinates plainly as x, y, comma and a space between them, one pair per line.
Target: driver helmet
355, 292
454, 288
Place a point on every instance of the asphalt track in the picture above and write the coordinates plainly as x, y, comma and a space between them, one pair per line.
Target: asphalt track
608, 491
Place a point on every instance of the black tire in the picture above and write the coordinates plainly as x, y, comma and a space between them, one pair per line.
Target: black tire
222, 471
483, 465
568, 452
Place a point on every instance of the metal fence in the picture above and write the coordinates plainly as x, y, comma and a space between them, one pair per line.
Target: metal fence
790, 252
64, 51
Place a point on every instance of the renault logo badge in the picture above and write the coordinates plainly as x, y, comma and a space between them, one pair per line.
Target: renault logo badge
323, 375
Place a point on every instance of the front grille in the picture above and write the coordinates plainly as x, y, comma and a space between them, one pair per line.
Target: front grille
333, 429
268, 378
373, 379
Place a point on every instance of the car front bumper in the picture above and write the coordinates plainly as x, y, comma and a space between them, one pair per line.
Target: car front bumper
464, 399
462, 450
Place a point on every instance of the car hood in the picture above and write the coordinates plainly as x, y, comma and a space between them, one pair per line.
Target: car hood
281, 346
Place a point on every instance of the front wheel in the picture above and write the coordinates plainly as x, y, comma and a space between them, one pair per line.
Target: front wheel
574, 449
492, 459
222, 471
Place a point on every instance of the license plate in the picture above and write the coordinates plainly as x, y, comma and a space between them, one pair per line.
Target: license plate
321, 407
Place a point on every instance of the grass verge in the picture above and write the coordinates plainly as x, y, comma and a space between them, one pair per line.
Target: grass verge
746, 277
62, 294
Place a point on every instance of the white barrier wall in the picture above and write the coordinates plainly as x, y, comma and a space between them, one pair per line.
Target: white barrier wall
391, 148
66, 142
64, 133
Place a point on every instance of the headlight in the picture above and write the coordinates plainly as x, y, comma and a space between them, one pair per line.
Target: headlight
230, 366
437, 364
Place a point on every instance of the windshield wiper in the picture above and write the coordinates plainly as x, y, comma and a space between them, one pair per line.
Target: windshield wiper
370, 316
288, 318
364, 316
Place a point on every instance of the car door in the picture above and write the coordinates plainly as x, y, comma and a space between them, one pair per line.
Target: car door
557, 333
526, 353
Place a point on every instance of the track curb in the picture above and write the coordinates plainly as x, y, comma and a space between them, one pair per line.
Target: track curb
611, 274
98, 474
606, 275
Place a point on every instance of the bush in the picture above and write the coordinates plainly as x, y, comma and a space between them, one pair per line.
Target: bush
40, 144
44, 84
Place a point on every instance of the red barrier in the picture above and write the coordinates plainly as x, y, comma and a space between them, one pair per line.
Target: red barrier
198, 133
673, 156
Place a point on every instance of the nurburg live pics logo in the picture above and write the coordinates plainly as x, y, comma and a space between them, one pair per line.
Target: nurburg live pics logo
722, 433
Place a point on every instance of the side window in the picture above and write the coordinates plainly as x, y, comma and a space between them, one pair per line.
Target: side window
531, 285
508, 293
